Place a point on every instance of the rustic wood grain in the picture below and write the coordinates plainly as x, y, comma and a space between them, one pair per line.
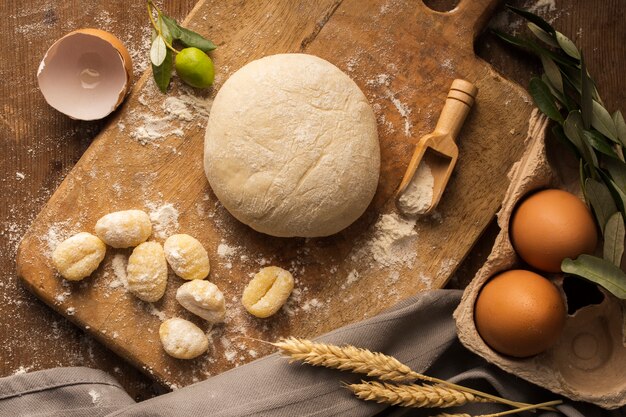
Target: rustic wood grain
43, 145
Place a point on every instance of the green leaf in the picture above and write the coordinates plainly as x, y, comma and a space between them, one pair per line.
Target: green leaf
552, 72
619, 196
163, 73
165, 31
601, 201
544, 99
573, 130
586, 99
617, 171
158, 51
542, 35
600, 271
533, 18
567, 45
614, 235
172, 26
601, 120
620, 126
557, 131
598, 142
192, 39
188, 37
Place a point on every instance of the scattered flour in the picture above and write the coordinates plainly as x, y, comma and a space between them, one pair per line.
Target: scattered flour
19, 176
119, 264
22, 370
392, 242
225, 251
164, 219
418, 195
404, 111
96, 397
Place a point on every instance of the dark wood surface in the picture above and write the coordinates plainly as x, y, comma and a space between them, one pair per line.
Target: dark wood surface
39, 146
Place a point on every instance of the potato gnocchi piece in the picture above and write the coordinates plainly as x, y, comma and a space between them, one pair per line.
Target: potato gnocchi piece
78, 256
182, 339
123, 229
146, 272
266, 293
203, 299
187, 257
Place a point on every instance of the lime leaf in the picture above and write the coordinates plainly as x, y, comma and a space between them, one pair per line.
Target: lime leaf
172, 26
586, 99
601, 200
601, 120
192, 39
567, 45
158, 51
620, 126
163, 73
600, 271
544, 99
542, 35
531, 17
614, 235
164, 29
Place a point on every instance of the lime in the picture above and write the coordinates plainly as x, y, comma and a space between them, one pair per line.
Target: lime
194, 67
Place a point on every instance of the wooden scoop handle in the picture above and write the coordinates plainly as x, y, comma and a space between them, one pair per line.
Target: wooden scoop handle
458, 104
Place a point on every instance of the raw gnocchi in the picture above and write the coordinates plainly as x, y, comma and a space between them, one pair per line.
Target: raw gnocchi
187, 257
203, 299
146, 272
182, 339
266, 293
78, 256
123, 229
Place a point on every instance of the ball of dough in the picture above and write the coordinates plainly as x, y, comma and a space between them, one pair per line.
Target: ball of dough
291, 147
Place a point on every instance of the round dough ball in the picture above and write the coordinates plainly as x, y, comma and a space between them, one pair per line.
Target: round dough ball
291, 147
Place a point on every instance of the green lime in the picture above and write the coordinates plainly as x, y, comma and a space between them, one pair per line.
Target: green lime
194, 67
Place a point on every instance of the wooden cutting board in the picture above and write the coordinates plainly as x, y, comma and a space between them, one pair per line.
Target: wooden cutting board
404, 57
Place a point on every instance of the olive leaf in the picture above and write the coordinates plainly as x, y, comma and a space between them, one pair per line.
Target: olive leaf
542, 35
586, 98
544, 100
620, 126
598, 270
533, 18
163, 73
567, 45
617, 171
601, 120
573, 130
600, 199
552, 72
614, 235
598, 142
158, 51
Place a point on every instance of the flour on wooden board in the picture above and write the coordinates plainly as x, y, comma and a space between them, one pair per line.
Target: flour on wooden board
164, 219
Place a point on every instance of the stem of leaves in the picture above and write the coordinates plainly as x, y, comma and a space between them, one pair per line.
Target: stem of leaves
568, 96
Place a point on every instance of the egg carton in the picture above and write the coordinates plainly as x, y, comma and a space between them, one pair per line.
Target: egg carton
588, 362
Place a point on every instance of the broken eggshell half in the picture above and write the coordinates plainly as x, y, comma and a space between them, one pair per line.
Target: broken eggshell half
86, 74
588, 362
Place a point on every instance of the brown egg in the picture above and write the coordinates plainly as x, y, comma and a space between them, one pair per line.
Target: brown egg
552, 225
519, 313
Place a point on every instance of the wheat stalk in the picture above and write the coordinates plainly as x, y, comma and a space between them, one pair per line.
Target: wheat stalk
373, 364
413, 395
507, 412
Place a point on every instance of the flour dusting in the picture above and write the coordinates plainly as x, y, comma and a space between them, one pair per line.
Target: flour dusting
418, 195
164, 219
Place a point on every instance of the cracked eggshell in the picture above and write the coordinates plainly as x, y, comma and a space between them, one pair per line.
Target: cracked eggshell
588, 361
86, 74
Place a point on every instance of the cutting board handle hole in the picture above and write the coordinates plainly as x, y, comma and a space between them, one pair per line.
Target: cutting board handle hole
441, 5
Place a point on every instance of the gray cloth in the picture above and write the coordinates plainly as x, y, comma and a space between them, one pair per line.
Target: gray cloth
419, 331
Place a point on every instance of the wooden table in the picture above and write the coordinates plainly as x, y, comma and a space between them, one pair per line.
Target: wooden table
39, 146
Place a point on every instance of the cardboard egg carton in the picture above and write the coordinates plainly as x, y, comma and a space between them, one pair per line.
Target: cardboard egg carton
588, 363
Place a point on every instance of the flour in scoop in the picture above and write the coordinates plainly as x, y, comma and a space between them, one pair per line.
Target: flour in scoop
418, 195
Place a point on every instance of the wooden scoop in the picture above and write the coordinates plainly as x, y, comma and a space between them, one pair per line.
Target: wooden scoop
438, 148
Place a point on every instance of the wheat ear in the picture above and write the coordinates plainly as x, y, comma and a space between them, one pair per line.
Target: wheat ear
413, 395
373, 364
